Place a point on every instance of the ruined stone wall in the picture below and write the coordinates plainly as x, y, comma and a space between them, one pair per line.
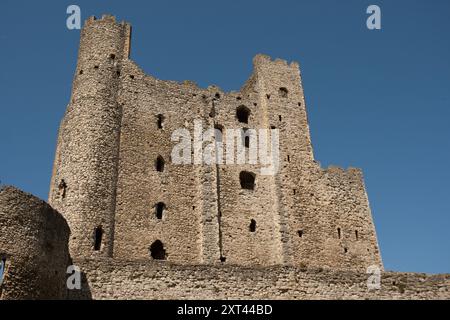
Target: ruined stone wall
120, 122
33, 245
152, 111
115, 279
334, 222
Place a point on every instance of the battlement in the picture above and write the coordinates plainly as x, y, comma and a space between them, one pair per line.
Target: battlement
262, 59
105, 18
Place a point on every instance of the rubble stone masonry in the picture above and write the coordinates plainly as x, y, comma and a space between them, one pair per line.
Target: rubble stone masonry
141, 226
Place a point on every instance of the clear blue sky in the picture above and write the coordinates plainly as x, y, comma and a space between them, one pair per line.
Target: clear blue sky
378, 100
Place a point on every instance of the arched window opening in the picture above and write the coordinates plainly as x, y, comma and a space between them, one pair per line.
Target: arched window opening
339, 232
300, 233
157, 250
159, 210
62, 188
98, 235
283, 92
242, 114
246, 137
252, 226
160, 121
247, 180
159, 164
218, 132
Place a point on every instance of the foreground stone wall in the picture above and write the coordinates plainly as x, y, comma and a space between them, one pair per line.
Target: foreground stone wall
34, 246
114, 279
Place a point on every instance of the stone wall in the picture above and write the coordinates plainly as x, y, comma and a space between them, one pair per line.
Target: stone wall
34, 246
114, 279
117, 133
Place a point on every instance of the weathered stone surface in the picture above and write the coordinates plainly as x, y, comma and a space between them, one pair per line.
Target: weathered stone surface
115, 279
303, 233
33, 244
120, 121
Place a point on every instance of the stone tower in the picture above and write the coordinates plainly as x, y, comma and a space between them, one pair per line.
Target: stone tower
124, 197
131, 221
83, 186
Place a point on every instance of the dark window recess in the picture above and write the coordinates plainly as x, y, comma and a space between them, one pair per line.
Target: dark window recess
62, 187
288, 158
212, 113
295, 191
95, 67
131, 76
112, 56
273, 127
268, 96
2, 269
356, 234
283, 92
98, 235
223, 259
300, 233
160, 120
247, 180
81, 71
247, 141
159, 164
345, 250
217, 95
252, 226
159, 210
279, 118
339, 232
157, 250
242, 114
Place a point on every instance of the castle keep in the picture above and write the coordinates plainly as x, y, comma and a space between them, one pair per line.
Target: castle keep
140, 225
